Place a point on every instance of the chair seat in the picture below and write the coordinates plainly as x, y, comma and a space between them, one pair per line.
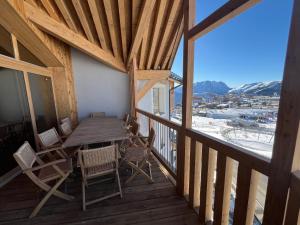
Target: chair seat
49, 173
99, 170
135, 154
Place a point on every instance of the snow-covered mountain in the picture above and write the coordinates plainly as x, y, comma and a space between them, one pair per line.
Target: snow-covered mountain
259, 88
212, 88
204, 89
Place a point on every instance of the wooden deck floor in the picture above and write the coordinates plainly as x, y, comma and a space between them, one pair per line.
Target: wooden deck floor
142, 204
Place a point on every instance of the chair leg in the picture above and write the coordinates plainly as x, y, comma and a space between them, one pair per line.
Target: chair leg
150, 169
119, 183
83, 196
52, 191
139, 170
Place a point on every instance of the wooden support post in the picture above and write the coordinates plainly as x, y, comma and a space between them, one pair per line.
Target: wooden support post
285, 154
188, 69
133, 90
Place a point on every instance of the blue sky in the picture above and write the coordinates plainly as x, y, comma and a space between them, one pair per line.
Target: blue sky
249, 48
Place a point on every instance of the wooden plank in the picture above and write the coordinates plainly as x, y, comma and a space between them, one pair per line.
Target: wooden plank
219, 189
286, 156
133, 88
228, 11
93, 5
112, 26
50, 9
153, 74
144, 18
60, 31
242, 195
66, 14
174, 11
252, 197
16, 24
210, 184
197, 176
123, 21
192, 173
83, 20
135, 10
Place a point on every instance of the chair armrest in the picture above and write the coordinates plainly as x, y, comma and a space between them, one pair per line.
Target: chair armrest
49, 150
46, 165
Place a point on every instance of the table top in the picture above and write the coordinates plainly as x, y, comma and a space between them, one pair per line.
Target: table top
97, 130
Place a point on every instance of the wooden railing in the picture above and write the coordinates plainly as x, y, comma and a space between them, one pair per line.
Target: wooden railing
204, 156
218, 176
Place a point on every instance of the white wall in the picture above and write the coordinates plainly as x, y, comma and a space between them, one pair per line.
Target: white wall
98, 87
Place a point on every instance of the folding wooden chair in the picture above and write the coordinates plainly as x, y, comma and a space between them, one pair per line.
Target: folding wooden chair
137, 157
57, 170
133, 130
96, 163
97, 114
51, 140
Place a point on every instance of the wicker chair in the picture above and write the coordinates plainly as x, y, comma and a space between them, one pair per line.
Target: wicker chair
67, 120
137, 157
97, 114
51, 140
96, 163
43, 173
65, 129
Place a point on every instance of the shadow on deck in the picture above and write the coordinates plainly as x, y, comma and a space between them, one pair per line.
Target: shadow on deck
142, 203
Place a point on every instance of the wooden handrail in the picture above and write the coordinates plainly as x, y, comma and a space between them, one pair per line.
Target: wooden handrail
161, 120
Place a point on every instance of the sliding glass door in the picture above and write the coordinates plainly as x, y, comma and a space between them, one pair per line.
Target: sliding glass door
15, 119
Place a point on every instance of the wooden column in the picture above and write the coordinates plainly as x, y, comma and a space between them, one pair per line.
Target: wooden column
285, 154
133, 90
171, 97
188, 75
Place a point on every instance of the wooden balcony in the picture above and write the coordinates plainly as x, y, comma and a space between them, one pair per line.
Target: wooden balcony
142, 203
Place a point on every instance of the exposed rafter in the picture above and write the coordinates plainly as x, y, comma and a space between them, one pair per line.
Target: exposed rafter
66, 14
93, 4
50, 9
144, 18
167, 31
124, 19
83, 20
61, 32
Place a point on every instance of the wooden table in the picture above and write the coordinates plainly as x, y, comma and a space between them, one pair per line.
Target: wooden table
97, 130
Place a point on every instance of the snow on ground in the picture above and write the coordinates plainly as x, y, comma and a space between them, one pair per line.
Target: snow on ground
256, 139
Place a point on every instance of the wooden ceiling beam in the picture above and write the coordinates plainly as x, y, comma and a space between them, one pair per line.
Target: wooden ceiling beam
99, 28
83, 20
174, 44
153, 74
68, 36
144, 18
157, 26
226, 12
177, 42
112, 26
141, 93
50, 9
176, 4
123, 21
16, 24
61, 5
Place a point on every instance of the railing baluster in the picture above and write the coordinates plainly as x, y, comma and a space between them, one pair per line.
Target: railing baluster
203, 185
242, 195
252, 197
192, 172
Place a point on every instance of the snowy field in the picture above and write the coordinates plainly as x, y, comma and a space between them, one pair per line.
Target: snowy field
249, 134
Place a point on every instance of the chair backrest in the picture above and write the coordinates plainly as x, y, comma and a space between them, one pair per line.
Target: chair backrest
151, 138
134, 128
97, 114
25, 156
65, 128
49, 137
67, 120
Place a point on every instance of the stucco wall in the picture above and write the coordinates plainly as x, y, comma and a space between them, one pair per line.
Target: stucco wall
99, 88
